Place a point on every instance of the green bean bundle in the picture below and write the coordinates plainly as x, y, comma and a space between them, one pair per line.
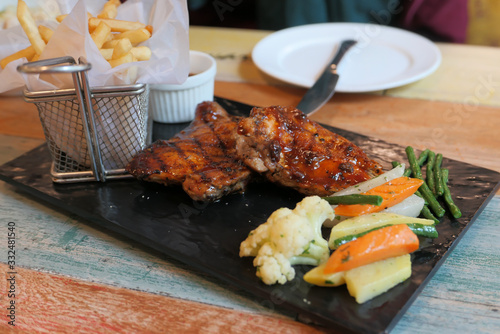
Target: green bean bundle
455, 211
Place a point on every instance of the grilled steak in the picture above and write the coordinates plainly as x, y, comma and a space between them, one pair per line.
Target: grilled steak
202, 157
291, 150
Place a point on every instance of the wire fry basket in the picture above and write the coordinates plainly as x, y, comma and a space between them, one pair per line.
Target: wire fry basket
92, 133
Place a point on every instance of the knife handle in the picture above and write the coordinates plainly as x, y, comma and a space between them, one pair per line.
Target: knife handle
344, 47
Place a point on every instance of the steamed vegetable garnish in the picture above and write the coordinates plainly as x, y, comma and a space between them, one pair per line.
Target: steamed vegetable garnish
424, 155
426, 212
411, 206
367, 282
371, 265
356, 225
439, 190
355, 199
318, 277
428, 231
374, 228
381, 244
374, 182
392, 192
434, 205
434, 186
430, 176
455, 211
289, 237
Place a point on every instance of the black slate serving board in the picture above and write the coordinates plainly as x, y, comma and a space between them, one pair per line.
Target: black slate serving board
207, 236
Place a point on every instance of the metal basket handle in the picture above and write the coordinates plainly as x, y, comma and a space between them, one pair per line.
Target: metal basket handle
54, 65
82, 89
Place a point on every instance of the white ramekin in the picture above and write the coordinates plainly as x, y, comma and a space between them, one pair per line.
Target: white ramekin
177, 103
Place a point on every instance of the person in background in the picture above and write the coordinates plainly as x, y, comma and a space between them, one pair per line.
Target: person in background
440, 20
455, 21
279, 14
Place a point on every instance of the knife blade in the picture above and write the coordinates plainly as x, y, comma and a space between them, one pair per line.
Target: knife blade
324, 87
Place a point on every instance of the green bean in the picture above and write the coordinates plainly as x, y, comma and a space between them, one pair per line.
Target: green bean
428, 231
455, 211
414, 165
423, 156
438, 175
355, 199
431, 200
428, 214
429, 174
424, 189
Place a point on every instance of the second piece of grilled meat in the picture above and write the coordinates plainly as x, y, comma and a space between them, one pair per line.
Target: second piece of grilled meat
289, 149
202, 157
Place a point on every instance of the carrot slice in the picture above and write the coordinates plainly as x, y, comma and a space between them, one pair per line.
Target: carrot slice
378, 245
392, 193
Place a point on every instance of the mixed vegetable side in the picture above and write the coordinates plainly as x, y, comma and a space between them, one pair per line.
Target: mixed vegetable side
375, 225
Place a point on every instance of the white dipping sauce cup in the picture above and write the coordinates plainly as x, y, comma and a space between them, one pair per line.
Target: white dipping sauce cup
177, 103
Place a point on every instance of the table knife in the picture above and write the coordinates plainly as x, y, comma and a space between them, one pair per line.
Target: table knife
324, 87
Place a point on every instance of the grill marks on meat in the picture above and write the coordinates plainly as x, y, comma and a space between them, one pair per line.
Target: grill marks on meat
216, 153
291, 150
202, 157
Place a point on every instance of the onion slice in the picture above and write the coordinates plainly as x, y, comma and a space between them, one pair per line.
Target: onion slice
410, 207
372, 183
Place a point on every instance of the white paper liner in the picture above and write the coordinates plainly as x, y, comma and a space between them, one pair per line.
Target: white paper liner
169, 63
169, 44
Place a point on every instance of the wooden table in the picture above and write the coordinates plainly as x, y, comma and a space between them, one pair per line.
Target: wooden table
74, 277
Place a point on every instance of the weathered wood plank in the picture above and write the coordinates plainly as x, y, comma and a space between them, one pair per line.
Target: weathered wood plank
47, 303
19, 118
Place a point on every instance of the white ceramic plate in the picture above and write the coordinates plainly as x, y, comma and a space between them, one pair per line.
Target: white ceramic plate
383, 58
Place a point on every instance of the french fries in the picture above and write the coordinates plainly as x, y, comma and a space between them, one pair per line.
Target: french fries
117, 40
116, 25
135, 36
109, 10
100, 34
106, 53
120, 44
61, 17
126, 58
28, 24
45, 32
121, 48
141, 53
27, 53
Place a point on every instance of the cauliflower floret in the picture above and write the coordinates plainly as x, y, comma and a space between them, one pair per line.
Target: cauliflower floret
273, 267
287, 238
